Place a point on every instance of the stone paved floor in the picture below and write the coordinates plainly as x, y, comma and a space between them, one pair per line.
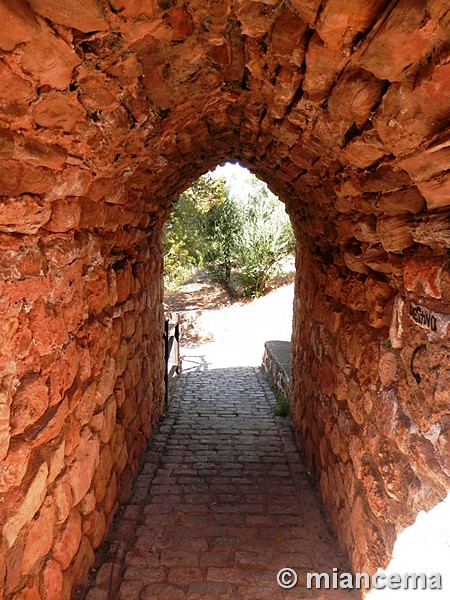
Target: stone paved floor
221, 504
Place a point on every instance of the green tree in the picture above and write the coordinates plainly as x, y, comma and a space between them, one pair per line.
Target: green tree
267, 238
241, 237
223, 228
185, 240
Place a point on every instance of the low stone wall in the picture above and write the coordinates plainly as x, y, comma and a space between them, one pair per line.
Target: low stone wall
276, 364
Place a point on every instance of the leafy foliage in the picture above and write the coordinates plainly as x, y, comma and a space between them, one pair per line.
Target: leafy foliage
266, 238
185, 240
241, 238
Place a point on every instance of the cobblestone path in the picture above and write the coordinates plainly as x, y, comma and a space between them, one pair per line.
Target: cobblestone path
221, 504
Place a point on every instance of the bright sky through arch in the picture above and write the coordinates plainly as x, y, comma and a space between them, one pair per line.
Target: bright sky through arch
239, 180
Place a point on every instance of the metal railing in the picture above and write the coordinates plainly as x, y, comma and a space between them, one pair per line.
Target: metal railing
172, 355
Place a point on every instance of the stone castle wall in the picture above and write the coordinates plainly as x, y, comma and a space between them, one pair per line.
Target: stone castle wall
109, 109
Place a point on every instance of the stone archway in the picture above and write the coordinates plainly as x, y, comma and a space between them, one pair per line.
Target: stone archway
108, 111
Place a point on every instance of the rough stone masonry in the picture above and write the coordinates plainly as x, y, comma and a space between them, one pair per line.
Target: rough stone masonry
108, 110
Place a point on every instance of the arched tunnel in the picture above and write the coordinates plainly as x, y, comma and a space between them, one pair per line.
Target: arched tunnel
109, 109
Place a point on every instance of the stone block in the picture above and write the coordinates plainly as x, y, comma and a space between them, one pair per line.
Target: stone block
395, 233
288, 37
39, 538
181, 22
16, 91
322, 67
51, 578
18, 178
339, 22
48, 328
85, 16
62, 498
67, 540
433, 231
70, 182
98, 92
49, 59
400, 121
307, 9
29, 402
437, 191
49, 425
82, 463
404, 37
65, 215
14, 465
5, 411
19, 24
354, 96
433, 94
422, 276
102, 473
387, 369
59, 111
404, 201
23, 215
24, 509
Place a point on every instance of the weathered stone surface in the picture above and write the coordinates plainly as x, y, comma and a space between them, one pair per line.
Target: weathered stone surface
5, 411
323, 64
437, 191
401, 202
58, 110
403, 38
400, 121
433, 93
354, 96
395, 233
423, 276
82, 465
180, 22
67, 540
65, 216
15, 91
19, 23
307, 9
29, 402
50, 60
51, 581
25, 509
39, 539
14, 465
339, 23
85, 16
108, 111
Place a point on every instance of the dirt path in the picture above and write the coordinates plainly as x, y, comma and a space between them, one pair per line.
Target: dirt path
218, 332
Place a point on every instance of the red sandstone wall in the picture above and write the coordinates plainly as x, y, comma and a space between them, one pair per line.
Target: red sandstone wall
81, 385
108, 110
370, 394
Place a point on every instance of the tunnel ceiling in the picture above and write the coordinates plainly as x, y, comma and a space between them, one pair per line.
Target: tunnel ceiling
342, 108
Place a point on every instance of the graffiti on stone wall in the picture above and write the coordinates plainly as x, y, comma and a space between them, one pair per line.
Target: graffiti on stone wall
429, 320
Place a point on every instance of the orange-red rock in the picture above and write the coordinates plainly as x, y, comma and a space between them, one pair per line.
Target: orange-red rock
67, 540
50, 60
58, 110
86, 16
51, 581
19, 23
39, 539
